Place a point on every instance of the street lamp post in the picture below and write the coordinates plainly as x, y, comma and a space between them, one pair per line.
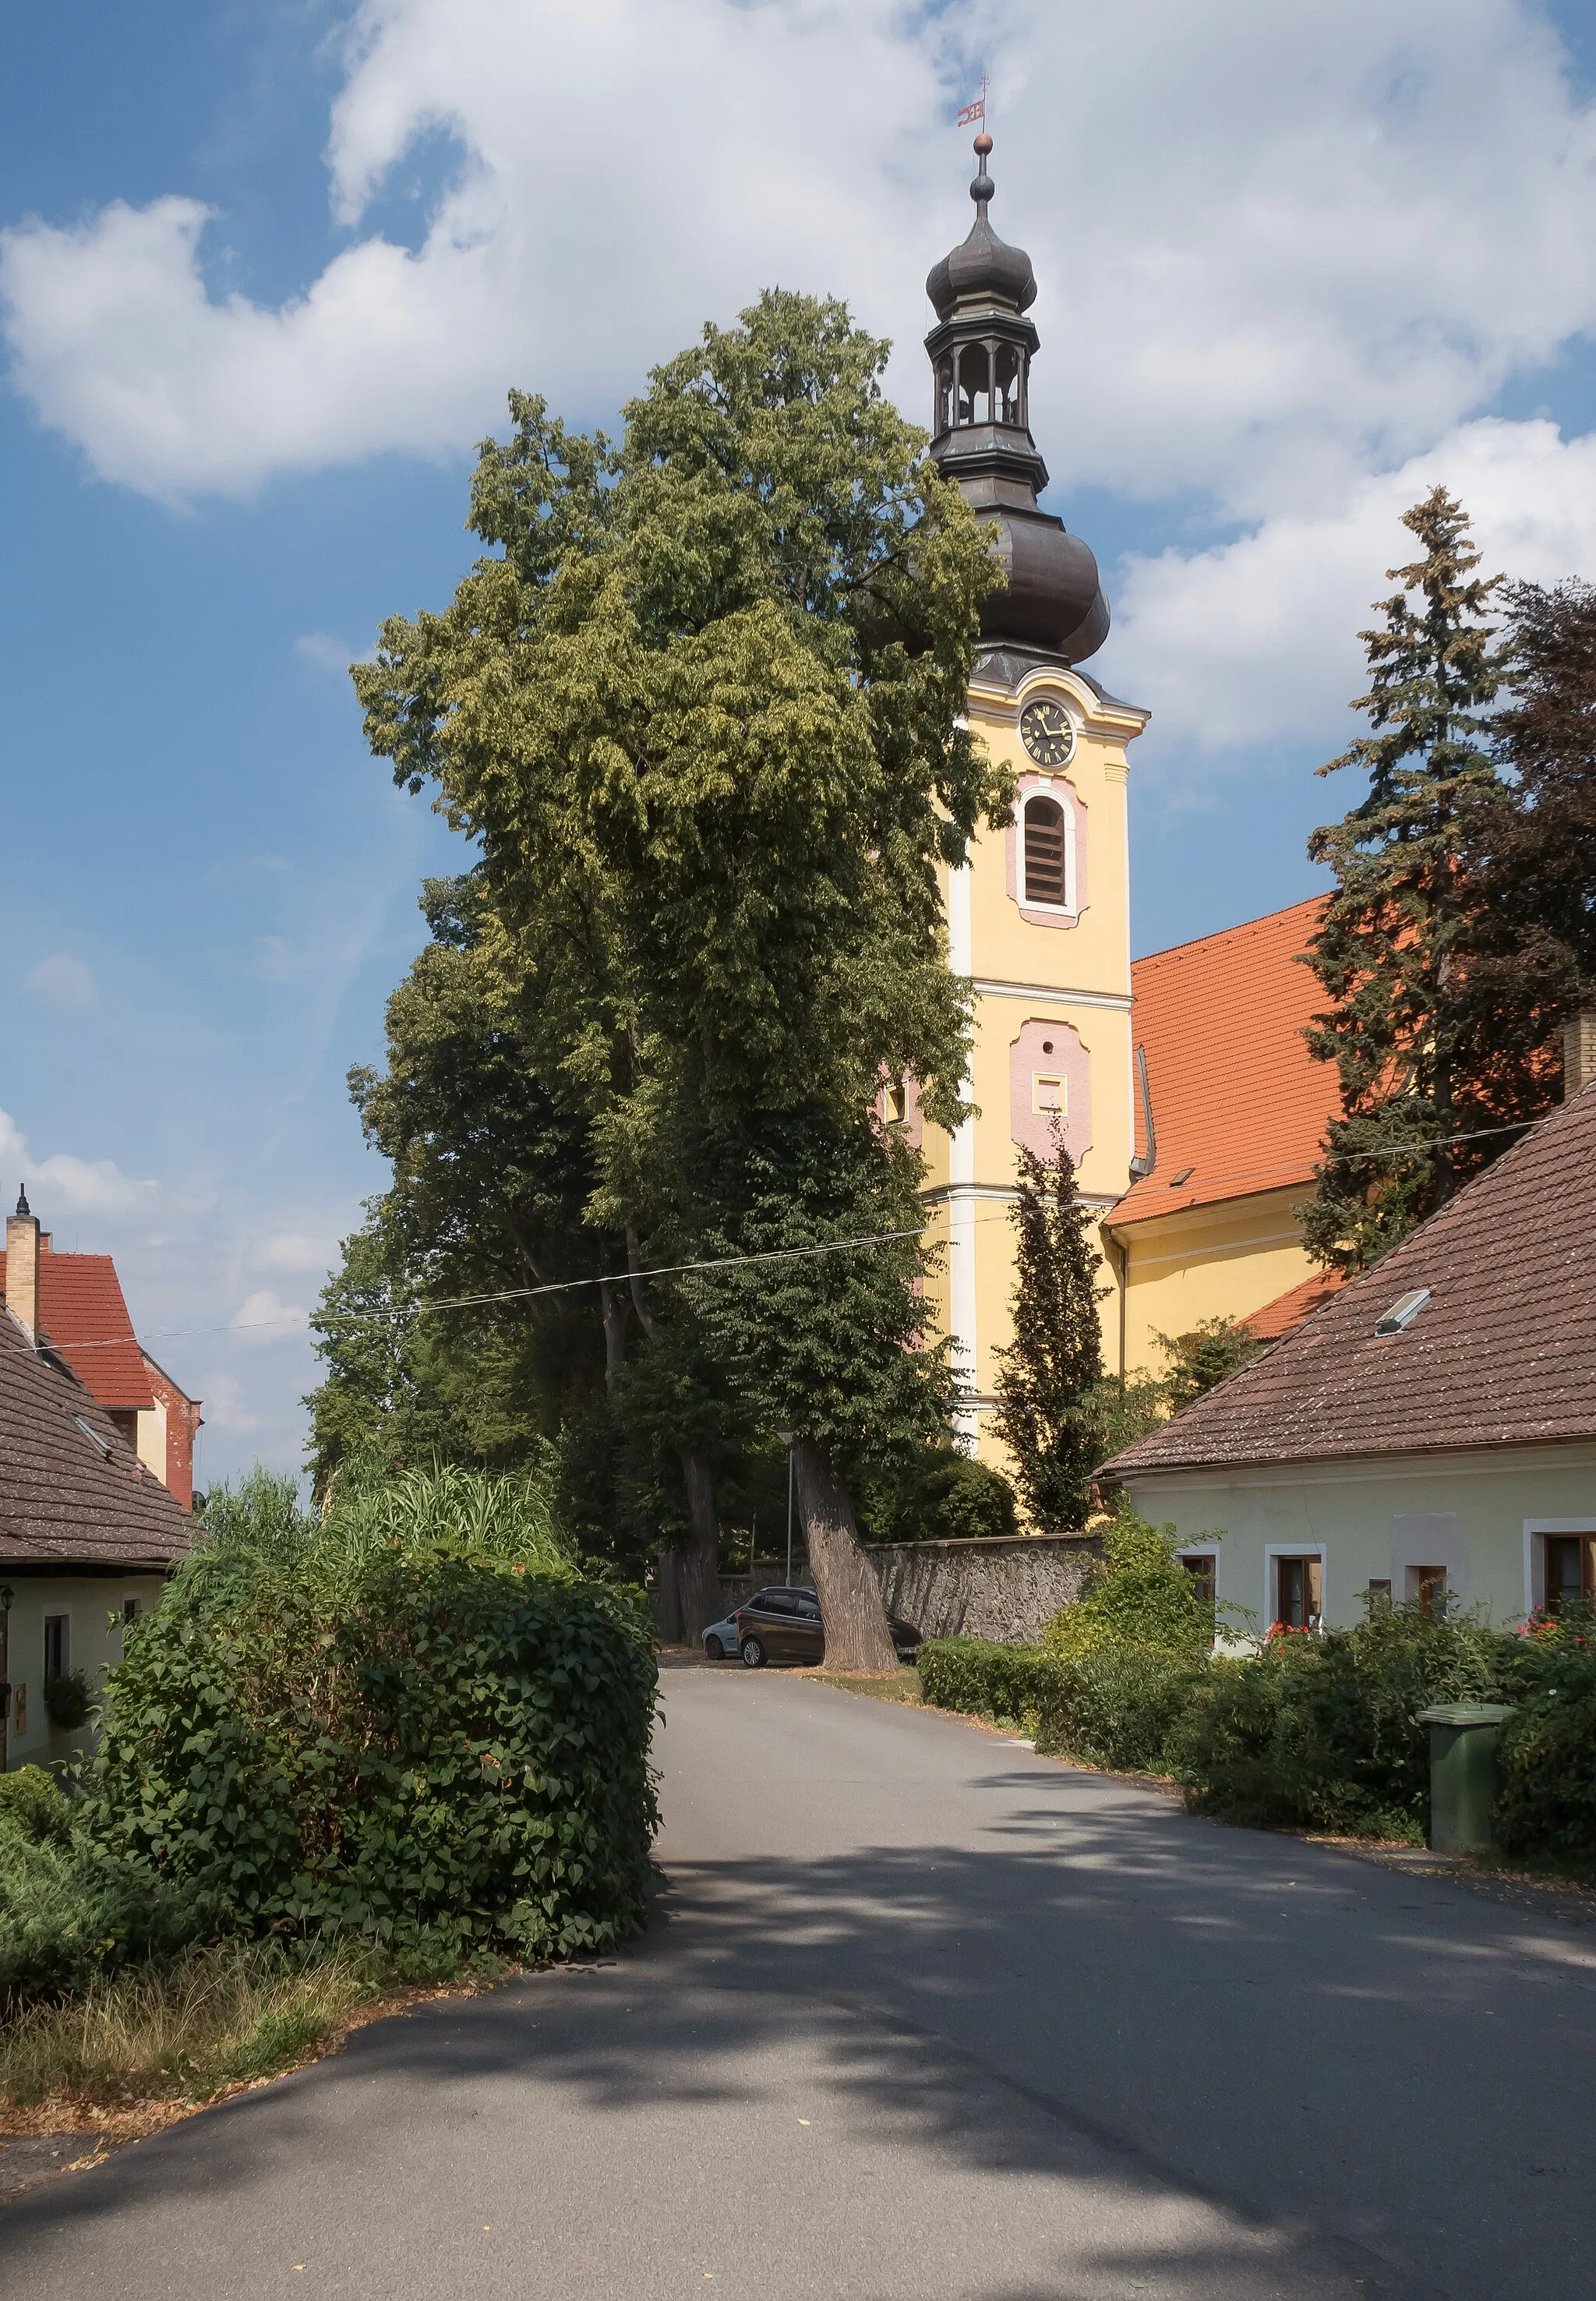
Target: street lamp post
7, 1595
787, 1438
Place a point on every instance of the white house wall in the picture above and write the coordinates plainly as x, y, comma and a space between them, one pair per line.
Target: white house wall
93, 1605
1481, 1515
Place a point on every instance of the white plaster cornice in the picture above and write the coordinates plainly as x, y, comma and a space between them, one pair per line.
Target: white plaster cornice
988, 987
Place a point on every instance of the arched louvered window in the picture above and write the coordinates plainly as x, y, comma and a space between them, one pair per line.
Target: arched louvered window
1046, 875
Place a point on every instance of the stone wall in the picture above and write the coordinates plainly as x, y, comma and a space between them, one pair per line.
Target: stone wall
1006, 1588
1003, 1588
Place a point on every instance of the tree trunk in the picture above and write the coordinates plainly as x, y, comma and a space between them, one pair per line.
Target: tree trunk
701, 1601
613, 1304
850, 1597
1445, 1174
667, 1596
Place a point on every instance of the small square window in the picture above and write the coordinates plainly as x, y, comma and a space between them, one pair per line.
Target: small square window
1048, 1094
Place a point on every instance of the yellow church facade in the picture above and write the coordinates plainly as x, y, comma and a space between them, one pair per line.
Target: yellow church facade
1182, 1084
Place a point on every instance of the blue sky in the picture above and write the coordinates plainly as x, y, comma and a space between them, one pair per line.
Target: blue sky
269, 270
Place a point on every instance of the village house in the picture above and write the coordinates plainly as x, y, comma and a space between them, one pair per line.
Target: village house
1429, 1428
87, 1532
81, 1309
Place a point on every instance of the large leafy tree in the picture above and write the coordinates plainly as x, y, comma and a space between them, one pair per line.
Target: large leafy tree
701, 706
1048, 1384
1400, 931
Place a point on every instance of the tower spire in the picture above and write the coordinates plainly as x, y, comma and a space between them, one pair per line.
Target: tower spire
981, 351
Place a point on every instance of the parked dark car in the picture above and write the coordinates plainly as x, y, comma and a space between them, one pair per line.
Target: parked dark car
783, 1624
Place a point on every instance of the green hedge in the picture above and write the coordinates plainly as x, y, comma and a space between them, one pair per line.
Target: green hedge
418, 1748
1115, 1706
977, 1676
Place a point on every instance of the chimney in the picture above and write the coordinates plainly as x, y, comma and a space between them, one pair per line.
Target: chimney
1579, 1052
21, 1266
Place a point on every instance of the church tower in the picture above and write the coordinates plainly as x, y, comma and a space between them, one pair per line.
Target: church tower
1040, 917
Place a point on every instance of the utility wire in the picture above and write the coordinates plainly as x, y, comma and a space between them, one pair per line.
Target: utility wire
736, 1261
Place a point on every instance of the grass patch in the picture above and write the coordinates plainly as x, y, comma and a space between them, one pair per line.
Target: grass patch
182, 2033
888, 1686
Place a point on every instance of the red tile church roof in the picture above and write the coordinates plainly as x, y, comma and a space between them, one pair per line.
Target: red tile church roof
1238, 1104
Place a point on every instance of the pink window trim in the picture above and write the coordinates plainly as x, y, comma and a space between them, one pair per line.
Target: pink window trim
1060, 788
1070, 1061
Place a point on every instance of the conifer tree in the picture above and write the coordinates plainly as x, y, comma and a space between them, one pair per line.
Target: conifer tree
1048, 1415
1393, 949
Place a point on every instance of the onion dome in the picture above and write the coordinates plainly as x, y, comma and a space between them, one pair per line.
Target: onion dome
985, 268
1051, 604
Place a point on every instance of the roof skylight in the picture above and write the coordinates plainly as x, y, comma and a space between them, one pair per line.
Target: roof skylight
1403, 1311
93, 1436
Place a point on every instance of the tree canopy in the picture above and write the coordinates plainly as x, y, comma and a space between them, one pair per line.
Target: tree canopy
700, 707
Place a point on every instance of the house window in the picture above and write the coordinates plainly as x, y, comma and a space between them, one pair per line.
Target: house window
1426, 1588
1049, 1092
1570, 1569
897, 1104
58, 1646
1298, 1583
130, 1609
1045, 877
1204, 1571
1379, 1598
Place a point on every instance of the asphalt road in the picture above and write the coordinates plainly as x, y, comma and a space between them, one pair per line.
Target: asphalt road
922, 2014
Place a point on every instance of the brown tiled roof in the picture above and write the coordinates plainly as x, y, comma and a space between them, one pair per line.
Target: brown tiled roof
64, 1499
1236, 1097
1504, 1353
81, 1310
1286, 1313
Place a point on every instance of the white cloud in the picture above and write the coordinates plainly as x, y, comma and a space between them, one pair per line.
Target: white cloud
63, 980
327, 653
263, 1316
1255, 640
61, 1185
295, 1252
1274, 250
225, 1410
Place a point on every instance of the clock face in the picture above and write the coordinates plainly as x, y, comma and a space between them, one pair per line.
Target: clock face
1046, 731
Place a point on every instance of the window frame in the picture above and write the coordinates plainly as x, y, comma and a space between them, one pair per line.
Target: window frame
1536, 1533
1066, 838
1274, 1551
62, 1622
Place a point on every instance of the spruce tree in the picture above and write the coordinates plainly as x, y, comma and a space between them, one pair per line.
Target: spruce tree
1048, 1414
1394, 946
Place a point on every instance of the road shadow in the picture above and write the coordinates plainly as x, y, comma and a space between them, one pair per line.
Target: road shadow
1309, 2073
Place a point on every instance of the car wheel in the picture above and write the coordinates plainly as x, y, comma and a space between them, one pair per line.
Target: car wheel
714, 1649
753, 1654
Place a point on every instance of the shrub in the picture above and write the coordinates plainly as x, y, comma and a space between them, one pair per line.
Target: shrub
70, 1912
409, 1742
1139, 1596
1117, 1705
979, 1677
67, 1700
934, 1494
1547, 1811
33, 1806
1321, 1731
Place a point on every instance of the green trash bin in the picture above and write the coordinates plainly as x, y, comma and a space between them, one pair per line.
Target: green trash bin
1464, 1743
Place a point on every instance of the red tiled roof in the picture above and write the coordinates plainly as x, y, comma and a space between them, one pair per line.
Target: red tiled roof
72, 1491
1286, 1313
1236, 1097
1503, 1353
82, 1313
